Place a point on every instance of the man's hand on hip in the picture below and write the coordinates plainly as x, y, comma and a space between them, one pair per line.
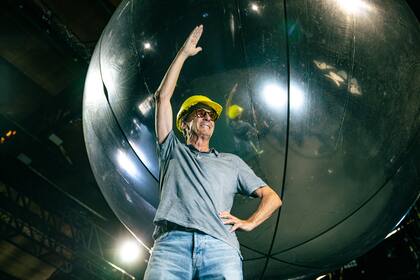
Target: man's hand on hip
236, 223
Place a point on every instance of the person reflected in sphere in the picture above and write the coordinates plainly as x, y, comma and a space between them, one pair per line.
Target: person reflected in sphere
195, 231
245, 137
244, 134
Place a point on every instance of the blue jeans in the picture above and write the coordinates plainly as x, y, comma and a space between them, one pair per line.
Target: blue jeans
192, 255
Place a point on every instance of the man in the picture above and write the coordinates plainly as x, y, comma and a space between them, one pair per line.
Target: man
195, 233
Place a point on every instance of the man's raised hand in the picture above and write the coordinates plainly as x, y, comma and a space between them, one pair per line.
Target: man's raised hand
190, 46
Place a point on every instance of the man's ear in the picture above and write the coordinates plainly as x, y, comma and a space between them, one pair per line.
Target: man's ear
184, 128
183, 125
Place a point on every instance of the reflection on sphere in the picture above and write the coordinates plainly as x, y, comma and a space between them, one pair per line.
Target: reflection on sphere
328, 117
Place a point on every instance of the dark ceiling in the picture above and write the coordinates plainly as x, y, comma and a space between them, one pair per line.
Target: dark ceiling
45, 177
45, 50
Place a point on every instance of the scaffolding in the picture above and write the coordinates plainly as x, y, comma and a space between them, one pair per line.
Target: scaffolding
65, 239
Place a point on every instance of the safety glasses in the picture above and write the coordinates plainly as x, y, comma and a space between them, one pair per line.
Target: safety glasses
201, 113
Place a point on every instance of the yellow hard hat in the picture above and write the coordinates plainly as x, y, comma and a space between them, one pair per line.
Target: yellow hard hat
192, 101
234, 111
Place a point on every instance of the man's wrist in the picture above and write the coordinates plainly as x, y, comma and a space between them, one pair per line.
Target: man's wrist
251, 223
182, 55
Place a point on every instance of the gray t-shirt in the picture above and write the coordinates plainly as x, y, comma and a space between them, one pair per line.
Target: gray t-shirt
196, 186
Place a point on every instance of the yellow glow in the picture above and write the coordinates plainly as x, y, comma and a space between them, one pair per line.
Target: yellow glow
322, 65
354, 87
9, 133
337, 79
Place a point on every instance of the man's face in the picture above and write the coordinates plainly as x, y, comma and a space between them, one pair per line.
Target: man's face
201, 121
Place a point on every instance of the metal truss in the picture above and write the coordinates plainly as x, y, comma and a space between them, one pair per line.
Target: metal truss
43, 18
65, 239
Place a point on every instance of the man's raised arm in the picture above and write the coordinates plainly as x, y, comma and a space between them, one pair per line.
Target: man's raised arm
163, 117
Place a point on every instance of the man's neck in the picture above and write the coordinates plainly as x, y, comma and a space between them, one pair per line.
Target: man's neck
200, 143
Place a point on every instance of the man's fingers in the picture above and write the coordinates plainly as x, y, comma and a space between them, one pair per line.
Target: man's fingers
236, 223
197, 32
229, 222
227, 216
194, 36
197, 50
224, 214
234, 227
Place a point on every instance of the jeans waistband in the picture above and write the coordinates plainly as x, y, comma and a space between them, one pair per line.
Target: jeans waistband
169, 226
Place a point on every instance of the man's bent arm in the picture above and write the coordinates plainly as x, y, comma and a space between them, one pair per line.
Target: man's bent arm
269, 203
163, 117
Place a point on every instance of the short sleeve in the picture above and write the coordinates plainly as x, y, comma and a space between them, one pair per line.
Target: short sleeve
248, 182
165, 148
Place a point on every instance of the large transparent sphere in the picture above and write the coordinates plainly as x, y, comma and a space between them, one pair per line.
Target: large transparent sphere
321, 99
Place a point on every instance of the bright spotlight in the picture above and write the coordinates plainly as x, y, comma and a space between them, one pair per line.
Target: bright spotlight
275, 96
353, 6
255, 7
147, 46
127, 164
129, 251
297, 97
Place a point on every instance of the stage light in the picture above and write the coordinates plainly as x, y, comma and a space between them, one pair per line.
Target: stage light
354, 7
129, 251
274, 95
255, 7
147, 46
